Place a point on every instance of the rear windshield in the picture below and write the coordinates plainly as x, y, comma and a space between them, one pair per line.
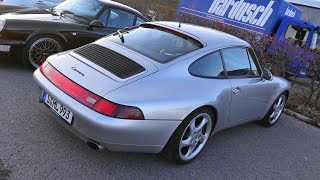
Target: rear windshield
158, 43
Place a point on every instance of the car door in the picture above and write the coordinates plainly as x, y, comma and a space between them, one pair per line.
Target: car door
88, 35
250, 94
217, 86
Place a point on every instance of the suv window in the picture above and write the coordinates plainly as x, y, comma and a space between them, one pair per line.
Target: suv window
297, 35
237, 62
120, 19
208, 66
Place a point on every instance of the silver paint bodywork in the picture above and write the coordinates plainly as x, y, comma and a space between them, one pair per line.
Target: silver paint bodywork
166, 94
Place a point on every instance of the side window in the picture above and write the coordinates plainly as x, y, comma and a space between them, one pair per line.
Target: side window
208, 66
237, 62
253, 62
139, 21
104, 16
297, 35
120, 19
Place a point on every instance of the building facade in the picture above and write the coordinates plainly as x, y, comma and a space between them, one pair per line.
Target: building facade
310, 10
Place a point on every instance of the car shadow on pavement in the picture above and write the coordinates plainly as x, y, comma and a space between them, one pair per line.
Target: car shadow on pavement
4, 172
7, 61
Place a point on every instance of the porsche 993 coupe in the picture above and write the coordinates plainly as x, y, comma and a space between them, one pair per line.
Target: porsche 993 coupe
71, 24
160, 88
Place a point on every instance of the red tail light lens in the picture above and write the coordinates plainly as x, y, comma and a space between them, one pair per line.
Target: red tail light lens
88, 98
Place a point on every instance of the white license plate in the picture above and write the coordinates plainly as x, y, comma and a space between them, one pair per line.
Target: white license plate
56, 107
4, 48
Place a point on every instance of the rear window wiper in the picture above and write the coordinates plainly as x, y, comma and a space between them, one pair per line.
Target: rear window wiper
122, 32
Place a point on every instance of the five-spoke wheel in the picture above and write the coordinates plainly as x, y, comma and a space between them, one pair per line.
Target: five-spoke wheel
191, 137
195, 136
275, 111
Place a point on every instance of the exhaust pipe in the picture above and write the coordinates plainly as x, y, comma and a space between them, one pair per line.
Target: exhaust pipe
94, 146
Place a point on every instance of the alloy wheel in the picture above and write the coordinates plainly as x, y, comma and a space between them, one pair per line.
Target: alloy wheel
277, 109
195, 136
41, 49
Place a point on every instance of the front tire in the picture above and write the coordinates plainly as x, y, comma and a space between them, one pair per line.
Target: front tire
190, 137
274, 113
38, 49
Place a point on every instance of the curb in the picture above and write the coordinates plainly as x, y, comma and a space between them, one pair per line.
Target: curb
300, 117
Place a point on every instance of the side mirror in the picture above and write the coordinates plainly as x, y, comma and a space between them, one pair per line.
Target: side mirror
96, 24
267, 75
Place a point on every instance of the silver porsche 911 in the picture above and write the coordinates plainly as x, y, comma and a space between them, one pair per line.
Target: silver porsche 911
160, 88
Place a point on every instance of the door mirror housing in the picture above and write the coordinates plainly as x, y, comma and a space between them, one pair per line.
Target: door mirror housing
267, 75
96, 24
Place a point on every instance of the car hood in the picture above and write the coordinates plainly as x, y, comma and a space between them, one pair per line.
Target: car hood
38, 17
8, 8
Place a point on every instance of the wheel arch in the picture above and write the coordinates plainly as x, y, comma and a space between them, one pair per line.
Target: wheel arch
212, 109
50, 34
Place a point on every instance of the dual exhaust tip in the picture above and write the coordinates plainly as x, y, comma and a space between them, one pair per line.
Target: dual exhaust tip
94, 146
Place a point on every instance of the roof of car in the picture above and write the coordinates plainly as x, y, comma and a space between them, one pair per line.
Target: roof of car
209, 37
120, 6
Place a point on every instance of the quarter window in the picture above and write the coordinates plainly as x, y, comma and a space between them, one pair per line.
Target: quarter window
237, 62
120, 19
253, 63
104, 16
208, 66
139, 21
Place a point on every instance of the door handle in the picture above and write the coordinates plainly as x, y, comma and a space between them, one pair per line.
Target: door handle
237, 91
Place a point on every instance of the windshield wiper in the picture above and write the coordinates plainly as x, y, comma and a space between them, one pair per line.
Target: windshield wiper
69, 12
51, 11
66, 12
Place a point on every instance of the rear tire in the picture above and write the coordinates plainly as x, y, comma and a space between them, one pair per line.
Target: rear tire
190, 137
38, 49
275, 111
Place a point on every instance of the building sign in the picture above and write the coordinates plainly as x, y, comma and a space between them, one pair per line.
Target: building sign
255, 15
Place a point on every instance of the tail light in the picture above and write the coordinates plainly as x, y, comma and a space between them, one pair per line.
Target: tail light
88, 98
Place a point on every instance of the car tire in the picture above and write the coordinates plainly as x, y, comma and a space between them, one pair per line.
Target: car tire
186, 144
38, 49
275, 111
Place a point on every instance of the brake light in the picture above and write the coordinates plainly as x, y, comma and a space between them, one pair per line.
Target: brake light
119, 111
88, 98
43, 65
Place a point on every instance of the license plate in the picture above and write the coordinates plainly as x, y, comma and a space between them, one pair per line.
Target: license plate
4, 48
58, 108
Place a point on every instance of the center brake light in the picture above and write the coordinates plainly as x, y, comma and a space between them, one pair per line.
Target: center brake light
88, 98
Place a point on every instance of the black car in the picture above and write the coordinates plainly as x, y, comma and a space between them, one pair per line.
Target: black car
69, 25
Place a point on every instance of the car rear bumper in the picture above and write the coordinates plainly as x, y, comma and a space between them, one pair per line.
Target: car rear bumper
148, 136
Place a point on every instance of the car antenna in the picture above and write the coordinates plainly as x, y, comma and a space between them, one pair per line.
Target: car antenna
180, 21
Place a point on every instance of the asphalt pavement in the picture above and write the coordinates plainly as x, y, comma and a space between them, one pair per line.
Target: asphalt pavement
34, 146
